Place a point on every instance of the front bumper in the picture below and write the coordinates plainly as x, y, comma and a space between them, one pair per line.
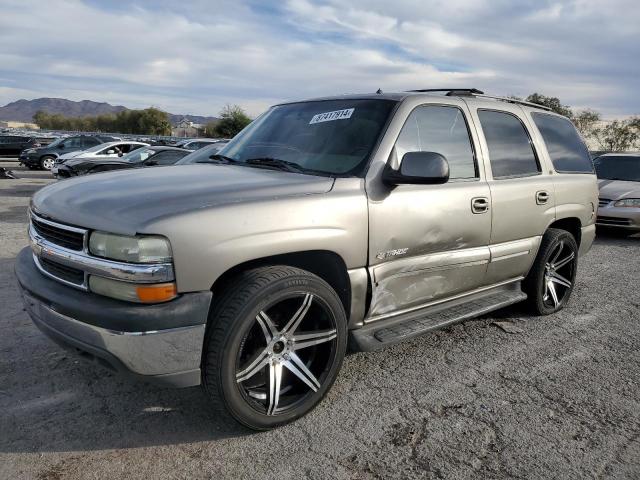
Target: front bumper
29, 160
161, 343
619, 217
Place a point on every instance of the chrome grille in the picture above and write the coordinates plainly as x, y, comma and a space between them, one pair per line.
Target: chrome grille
62, 272
603, 202
59, 234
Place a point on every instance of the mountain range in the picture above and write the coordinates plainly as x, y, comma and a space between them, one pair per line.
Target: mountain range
23, 110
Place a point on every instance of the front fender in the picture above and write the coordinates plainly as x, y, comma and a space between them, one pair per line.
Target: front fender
208, 242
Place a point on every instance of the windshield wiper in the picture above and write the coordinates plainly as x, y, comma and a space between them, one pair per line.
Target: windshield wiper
217, 158
276, 164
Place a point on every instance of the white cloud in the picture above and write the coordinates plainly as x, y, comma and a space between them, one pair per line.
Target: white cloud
193, 57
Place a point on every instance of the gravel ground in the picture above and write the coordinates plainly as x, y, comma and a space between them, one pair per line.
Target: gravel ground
558, 397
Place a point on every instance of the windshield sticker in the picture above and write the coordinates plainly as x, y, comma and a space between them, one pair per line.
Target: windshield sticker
330, 116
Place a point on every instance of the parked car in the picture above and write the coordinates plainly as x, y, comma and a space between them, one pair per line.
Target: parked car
104, 150
619, 183
14, 144
44, 157
141, 157
362, 220
203, 155
196, 143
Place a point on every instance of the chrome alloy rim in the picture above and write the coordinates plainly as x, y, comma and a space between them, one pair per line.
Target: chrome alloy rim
286, 354
558, 271
48, 163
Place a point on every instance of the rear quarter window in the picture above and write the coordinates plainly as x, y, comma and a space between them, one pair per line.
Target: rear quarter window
566, 149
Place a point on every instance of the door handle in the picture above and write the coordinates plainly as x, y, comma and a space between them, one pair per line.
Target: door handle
480, 205
542, 197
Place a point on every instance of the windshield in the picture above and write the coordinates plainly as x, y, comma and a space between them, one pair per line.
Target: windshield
618, 168
333, 137
202, 155
138, 155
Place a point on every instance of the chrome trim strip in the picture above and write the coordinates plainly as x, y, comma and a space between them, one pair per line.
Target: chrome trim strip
442, 300
61, 226
129, 272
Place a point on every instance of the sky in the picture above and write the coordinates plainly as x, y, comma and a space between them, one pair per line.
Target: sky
193, 57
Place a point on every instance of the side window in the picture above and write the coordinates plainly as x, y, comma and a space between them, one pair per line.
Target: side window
441, 129
89, 142
73, 142
166, 158
510, 151
566, 149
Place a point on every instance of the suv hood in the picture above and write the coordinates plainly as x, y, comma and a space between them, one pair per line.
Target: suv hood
617, 189
128, 200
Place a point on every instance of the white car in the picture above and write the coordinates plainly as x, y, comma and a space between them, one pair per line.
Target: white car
104, 150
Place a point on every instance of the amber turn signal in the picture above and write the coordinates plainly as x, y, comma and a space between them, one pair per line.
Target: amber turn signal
159, 292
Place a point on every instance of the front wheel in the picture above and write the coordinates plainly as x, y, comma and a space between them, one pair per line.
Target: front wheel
47, 163
551, 280
274, 346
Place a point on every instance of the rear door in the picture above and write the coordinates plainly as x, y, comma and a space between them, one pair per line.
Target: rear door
522, 191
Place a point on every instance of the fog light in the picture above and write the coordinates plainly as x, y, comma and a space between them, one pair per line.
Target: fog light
133, 292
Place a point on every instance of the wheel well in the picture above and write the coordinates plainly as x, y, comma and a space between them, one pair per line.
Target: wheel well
571, 225
325, 264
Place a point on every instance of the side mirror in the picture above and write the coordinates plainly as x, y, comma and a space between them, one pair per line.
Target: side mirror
418, 168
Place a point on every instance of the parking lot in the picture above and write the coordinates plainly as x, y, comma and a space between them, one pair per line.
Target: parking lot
551, 397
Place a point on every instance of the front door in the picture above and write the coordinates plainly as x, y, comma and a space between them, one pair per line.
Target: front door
430, 242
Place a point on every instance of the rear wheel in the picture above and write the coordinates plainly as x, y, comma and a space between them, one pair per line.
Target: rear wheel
551, 280
274, 347
47, 163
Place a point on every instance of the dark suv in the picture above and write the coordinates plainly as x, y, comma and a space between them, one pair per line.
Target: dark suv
44, 157
14, 144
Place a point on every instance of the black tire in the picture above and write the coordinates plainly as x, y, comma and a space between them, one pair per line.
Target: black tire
232, 322
45, 161
536, 285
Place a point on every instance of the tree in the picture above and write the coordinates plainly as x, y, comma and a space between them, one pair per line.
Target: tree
232, 120
150, 121
551, 102
586, 121
618, 136
210, 129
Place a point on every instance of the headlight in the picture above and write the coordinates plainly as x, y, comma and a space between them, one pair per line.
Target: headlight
133, 292
628, 202
139, 249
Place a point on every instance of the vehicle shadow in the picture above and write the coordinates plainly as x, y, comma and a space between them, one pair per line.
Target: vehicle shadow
52, 400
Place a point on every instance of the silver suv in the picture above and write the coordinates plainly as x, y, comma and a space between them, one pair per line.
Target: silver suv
358, 221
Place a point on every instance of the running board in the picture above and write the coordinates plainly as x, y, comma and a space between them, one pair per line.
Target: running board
381, 333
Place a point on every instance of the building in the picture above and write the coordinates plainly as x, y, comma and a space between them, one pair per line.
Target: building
186, 128
12, 124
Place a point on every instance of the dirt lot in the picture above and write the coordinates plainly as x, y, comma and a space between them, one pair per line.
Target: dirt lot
557, 398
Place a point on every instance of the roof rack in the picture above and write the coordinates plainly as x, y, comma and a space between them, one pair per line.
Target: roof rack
451, 92
516, 101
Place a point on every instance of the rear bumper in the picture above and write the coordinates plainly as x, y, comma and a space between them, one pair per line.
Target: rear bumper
160, 343
587, 236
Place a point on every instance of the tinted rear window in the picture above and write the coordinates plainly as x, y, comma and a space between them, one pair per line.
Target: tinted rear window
566, 149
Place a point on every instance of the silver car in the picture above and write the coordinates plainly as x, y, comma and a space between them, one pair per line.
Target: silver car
619, 184
360, 220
